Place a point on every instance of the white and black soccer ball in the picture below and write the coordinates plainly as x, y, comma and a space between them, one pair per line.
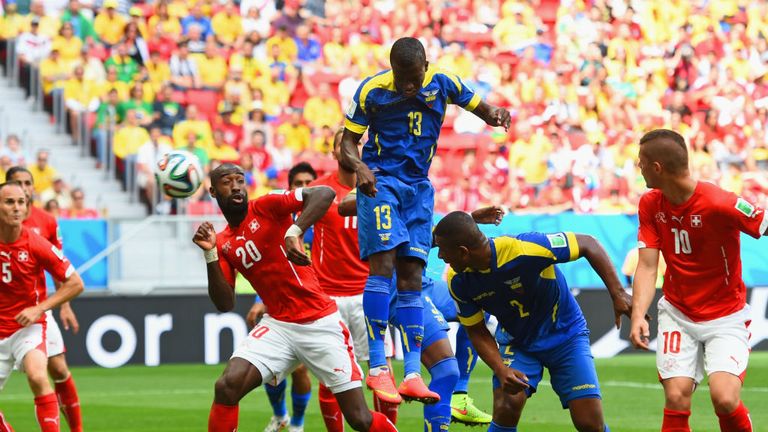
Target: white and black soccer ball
178, 174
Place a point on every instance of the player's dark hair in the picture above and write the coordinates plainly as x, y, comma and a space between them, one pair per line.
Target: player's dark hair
668, 148
407, 51
301, 167
459, 229
224, 170
16, 169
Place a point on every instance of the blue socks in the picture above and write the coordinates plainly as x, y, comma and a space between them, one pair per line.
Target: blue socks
496, 428
466, 356
445, 373
376, 309
300, 402
276, 395
410, 314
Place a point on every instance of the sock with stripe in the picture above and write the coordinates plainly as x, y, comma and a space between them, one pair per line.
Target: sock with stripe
381, 423
4, 425
70, 403
386, 408
376, 309
276, 395
444, 374
329, 408
47, 412
410, 314
466, 356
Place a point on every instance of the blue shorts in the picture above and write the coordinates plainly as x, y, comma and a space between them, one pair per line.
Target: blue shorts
571, 368
435, 326
399, 216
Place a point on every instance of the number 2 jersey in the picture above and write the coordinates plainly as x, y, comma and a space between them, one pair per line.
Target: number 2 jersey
524, 290
256, 249
21, 264
700, 242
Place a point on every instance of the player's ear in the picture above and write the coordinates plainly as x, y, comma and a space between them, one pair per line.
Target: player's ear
212, 191
426, 65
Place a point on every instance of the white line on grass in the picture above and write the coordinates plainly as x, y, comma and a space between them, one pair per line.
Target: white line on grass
651, 386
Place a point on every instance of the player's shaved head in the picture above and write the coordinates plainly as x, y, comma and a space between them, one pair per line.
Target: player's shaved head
407, 51
459, 229
666, 147
225, 169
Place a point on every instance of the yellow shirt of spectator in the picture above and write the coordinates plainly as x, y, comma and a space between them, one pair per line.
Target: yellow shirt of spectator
213, 70
178, 9
201, 128
128, 139
297, 137
319, 112
48, 25
757, 20
336, 55
460, 64
170, 26
227, 27
69, 49
275, 96
82, 91
253, 68
288, 48
43, 176
159, 73
50, 68
531, 157
122, 89
12, 25
223, 153
109, 29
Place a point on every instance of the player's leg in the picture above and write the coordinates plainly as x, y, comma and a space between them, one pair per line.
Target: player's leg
6, 367
64, 384
438, 358
726, 355
29, 346
4, 425
239, 377
276, 397
507, 408
301, 392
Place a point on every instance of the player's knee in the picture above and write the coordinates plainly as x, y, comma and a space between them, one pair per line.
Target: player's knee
725, 402
38, 380
677, 399
57, 368
590, 423
226, 390
358, 418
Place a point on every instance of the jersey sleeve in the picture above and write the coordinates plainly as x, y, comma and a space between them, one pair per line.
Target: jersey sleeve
55, 234
225, 266
51, 258
467, 311
547, 248
282, 203
460, 93
355, 119
747, 217
648, 233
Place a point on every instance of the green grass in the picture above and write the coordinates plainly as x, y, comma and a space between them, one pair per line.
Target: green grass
177, 398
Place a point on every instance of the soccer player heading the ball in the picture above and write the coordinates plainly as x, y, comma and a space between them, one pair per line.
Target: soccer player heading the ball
261, 241
703, 315
403, 110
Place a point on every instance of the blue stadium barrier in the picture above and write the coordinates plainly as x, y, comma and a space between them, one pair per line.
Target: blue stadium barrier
82, 240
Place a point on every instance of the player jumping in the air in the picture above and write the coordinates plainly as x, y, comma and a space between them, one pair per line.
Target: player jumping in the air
261, 241
703, 315
540, 324
403, 110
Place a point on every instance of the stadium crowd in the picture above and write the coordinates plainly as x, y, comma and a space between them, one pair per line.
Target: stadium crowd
263, 83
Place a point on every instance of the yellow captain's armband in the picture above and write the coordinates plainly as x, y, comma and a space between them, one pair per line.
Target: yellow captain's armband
473, 320
354, 127
573, 245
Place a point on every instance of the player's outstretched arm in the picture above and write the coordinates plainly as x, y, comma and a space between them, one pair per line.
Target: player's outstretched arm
316, 201
71, 287
350, 158
593, 251
643, 290
512, 380
493, 115
222, 294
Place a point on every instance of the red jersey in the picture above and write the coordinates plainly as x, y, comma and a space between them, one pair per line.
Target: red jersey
42, 223
256, 249
700, 242
335, 251
21, 264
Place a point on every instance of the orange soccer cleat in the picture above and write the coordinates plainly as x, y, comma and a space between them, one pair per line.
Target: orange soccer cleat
414, 389
383, 385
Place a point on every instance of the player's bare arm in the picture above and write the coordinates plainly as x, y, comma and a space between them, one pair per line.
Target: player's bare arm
221, 293
71, 287
350, 158
488, 215
643, 290
593, 251
66, 314
348, 205
493, 115
316, 200
512, 380
255, 313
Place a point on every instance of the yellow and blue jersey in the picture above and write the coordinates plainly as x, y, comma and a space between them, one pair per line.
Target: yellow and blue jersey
524, 290
403, 132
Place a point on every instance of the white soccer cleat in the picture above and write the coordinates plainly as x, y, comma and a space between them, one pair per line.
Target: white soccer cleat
296, 429
277, 424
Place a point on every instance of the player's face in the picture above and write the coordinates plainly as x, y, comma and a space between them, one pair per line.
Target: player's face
301, 180
408, 79
455, 256
27, 183
13, 205
648, 169
231, 193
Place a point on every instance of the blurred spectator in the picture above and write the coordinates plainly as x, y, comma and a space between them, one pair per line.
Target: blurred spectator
53, 208
286, 45
58, 192
13, 151
184, 72
68, 44
260, 157
142, 109
106, 122
322, 109
227, 25
289, 18
78, 210
112, 83
308, 47
147, 157
109, 24
124, 64
265, 8
193, 123
254, 21
81, 97
163, 24
231, 132
297, 134
42, 172
167, 112
196, 18
221, 151
33, 46
136, 15
135, 44
80, 22
129, 137
192, 145
323, 144
212, 68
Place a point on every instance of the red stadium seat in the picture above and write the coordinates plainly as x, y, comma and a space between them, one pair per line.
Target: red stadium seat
206, 101
202, 208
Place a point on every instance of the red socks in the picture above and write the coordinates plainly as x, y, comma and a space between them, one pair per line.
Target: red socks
47, 412
70, 404
4, 425
381, 423
223, 418
675, 421
329, 407
386, 408
737, 421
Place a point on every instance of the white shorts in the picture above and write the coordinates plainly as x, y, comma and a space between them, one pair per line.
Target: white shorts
53, 340
16, 346
351, 310
325, 346
689, 349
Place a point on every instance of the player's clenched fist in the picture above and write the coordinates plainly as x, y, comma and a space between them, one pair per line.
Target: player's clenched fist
29, 315
205, 236
512, 380
640, 333
500, 117
366, 181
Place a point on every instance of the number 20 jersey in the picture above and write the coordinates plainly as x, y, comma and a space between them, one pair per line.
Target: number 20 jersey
700, 242
256, 249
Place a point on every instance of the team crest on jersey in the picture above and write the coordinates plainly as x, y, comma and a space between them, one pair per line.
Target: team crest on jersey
384, 237
254, 226
23, 256
696, 221
514, 284
227, 246
745, 207
351, 109
660, 217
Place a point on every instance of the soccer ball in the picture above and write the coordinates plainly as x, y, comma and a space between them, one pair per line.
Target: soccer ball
178, 174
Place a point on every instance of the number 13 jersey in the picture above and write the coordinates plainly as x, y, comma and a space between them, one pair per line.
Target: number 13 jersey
256, 249
700, 242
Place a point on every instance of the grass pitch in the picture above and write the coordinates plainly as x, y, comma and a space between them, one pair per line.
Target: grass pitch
177, 398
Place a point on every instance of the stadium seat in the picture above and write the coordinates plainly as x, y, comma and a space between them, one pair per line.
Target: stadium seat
202, 208
206, 101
